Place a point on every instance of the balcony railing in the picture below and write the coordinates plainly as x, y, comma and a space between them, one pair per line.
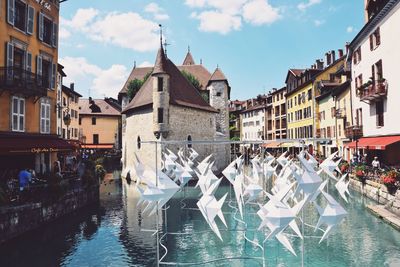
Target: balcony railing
354, 132
18, 80
340, 113
374, 91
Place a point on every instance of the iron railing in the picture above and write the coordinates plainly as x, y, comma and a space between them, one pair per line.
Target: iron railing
374, 92
18, 80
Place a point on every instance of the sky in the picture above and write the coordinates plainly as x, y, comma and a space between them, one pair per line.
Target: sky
254, 42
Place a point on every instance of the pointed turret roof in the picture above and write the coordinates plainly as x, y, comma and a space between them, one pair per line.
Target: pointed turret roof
188, 59
161, 62
218, 75
181, 91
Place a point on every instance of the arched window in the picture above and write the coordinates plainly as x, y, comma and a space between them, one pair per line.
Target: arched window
189, 138
139, 144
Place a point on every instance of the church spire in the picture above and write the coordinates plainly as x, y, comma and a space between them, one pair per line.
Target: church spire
161, 60
189, 58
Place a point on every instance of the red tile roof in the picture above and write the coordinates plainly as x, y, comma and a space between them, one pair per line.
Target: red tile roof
188, 59
136, 73
198, 71
218, 75
98, 107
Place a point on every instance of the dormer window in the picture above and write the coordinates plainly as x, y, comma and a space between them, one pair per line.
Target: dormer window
160, 82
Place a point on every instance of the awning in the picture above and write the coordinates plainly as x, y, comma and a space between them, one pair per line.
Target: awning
23, 143
98, 146
374, 143
272, 145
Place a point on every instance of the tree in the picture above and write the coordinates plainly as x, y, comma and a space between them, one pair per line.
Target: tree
193, 80
135, 85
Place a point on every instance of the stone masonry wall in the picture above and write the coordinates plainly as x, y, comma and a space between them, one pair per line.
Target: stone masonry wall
15, 221
379, 193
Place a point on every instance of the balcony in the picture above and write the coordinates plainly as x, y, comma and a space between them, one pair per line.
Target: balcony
19, 81
374, 92
353, 132
340, 113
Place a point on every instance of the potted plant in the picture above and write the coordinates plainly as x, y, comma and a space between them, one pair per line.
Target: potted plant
344, 166
381, 86
389, 179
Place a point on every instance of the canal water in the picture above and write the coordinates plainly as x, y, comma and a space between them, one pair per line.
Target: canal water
116, 233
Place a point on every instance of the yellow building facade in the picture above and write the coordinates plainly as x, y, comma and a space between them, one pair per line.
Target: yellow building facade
28, 70
99, 122
70, 105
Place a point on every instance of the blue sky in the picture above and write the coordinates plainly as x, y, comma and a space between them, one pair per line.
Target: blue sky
253, 41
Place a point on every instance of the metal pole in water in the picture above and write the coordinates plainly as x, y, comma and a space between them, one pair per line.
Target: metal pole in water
158, 238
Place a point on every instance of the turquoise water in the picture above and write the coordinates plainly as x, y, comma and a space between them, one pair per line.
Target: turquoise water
116, 233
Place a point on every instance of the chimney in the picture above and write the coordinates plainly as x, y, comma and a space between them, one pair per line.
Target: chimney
319, 64
333, 56
72, 86
347, 47
340, 53
327, 59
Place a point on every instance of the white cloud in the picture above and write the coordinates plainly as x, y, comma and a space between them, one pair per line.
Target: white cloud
128, 30
223, 16
318, 22
350, 29
145, 64
303, 6
102, 82
195, 3
216, 21
157, 11
64, 33
260, 12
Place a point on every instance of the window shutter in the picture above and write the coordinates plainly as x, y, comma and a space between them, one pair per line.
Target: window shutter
28, 62
55, 35
39, 72
53, 76
30, 20
47, 118
41, 27
378, 36
10, 11
10, 61
371, 42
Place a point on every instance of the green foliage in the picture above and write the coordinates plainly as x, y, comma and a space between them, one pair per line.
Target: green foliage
193, 80
232, 128
235, 138
135, 85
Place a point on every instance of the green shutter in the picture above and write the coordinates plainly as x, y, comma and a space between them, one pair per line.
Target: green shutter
30, 20
41, 26
55, 35
10, 11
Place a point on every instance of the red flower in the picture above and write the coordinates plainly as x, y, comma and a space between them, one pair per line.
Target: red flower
359, 173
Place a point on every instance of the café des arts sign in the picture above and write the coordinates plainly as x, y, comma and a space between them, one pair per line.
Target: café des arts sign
44, 4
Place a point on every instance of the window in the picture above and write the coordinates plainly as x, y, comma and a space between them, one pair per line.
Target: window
379, 114
80, 121
377, 74
359, 117
20, 15
357, 55
46, 72
375, 39
160, 82
45, 116
18, 114
138, 142
309, 94
189, 138
94, 121
96, 139
76, 132
160, 115
219, 93
47, 30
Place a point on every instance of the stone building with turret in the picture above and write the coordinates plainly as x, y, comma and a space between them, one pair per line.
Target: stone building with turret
168, 107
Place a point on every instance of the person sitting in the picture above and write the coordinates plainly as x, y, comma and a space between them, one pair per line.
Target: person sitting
25, 177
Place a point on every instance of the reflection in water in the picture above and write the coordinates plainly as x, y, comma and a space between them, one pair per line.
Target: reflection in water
116, 233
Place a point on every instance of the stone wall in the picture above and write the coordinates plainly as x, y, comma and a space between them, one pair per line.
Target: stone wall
379, 193
200, 125
15, 221
219, 101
